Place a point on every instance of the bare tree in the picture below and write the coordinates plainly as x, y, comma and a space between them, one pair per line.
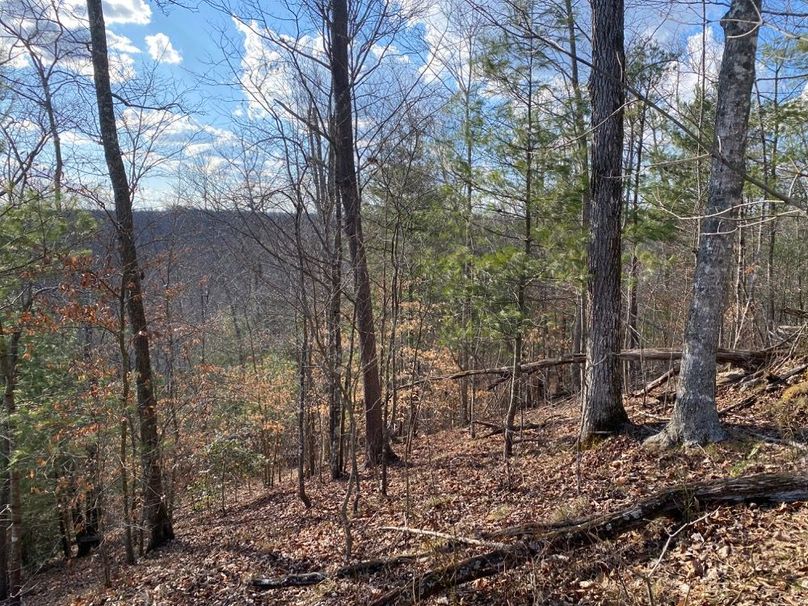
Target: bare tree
159, 528
348, 188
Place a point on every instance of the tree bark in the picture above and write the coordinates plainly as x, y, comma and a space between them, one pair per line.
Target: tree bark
348, 188
602, 390
695, 417
158, 523
12, 517
123, 469
332, 211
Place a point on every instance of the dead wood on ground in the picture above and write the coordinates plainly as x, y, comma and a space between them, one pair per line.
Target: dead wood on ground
537, 540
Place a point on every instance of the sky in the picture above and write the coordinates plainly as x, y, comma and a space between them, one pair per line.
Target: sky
182, 44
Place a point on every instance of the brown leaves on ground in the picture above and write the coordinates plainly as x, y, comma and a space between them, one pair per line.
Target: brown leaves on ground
739, 555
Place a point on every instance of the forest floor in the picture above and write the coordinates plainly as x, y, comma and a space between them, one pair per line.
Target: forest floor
459, 485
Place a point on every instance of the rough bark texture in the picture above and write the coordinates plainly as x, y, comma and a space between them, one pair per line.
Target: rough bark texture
348, 190
695, 417
602, 390
545, 540
158, 524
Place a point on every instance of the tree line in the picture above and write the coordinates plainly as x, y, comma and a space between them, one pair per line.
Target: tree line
437, 190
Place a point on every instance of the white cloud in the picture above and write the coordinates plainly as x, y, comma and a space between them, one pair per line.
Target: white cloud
161, 49
76, 138
268, 74
214, 163
122, 44
262, 74
12, 54
135, 12
452, 34
73, 13
685, 75
121, 67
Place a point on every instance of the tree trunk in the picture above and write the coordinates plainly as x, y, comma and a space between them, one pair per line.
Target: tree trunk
602, 391
158, 523
125, 498
301, 417
13, 518
579, 117
5, 521
47, 105
327, 192
303, 362
348, 188
633, 207
695, 417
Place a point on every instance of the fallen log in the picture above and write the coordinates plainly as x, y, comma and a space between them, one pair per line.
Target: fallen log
499, 429
660, 380
735, 356
538, 541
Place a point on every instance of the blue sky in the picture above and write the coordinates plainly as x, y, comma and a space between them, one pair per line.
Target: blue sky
182, 45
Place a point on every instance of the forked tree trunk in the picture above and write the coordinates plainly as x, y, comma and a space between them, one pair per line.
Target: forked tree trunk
603, 410
348, 189
695, 417
155, 514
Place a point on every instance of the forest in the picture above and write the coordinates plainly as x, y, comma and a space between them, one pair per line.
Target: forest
325, 302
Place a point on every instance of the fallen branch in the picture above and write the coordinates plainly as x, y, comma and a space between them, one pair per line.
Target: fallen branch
798, 313
776, 440
363, 568
452, 539
739, 405
487, 424
793, 372
660, 380
538, 541
367, 567
290, 580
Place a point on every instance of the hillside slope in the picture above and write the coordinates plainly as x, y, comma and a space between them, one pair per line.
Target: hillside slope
459, 485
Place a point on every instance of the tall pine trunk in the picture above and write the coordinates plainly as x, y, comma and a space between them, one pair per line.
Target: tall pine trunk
695, 417
155, 514
603, 410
